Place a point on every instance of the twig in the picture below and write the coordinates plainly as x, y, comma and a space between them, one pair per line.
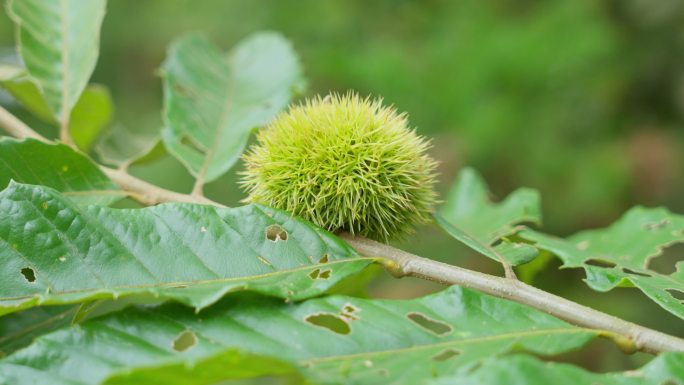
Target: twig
400, 263
64, 133
149, 194
143, 192
403, 263
16, 127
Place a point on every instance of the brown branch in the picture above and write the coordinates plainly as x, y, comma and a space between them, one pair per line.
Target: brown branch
628, 335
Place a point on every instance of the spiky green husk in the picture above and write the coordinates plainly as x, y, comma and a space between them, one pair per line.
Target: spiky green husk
344, 163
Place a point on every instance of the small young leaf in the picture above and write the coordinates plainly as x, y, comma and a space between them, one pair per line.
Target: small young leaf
213, 101
54, 252
619, 255
122, 145
58, 42
470, 217
58, 166
91, 115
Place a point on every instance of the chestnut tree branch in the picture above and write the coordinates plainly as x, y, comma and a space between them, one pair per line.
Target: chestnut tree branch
402, 263
629, 336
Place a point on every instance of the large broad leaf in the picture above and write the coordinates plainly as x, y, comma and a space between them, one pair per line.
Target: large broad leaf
526, 370
54, 252
620, 254
58, 42
333, 339
212, 101
471, 217
58, 166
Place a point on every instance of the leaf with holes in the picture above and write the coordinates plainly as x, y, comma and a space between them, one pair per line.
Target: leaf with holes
525, 370
619, 255
54, 252
58, 42
213, 101
58, 166
333, 340
470, 217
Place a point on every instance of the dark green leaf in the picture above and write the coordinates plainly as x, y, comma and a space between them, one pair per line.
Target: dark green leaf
333, 339
58, 166
19, 329
54, 252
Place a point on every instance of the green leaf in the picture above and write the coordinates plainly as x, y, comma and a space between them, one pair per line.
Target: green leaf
525, 370
91, 115
333, 340
58, 166
18, 330
619, 255
17, 82
53, 252
58, 42
121, 145
472, 218
213, 101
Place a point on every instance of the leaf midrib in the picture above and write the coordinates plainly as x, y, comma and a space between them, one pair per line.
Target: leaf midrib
445, 344
228, 106
165, 285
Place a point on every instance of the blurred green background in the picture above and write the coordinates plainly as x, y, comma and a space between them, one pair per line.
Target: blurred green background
580, 99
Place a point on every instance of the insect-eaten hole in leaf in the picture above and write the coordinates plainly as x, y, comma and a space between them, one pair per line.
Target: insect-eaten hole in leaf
659, 225
677, 294
432, 325
634, 272
350, 311
276, 233
330, 321
446, 354
29, 274
666, 262
320, 274
184, 341
324, 259
600, 263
